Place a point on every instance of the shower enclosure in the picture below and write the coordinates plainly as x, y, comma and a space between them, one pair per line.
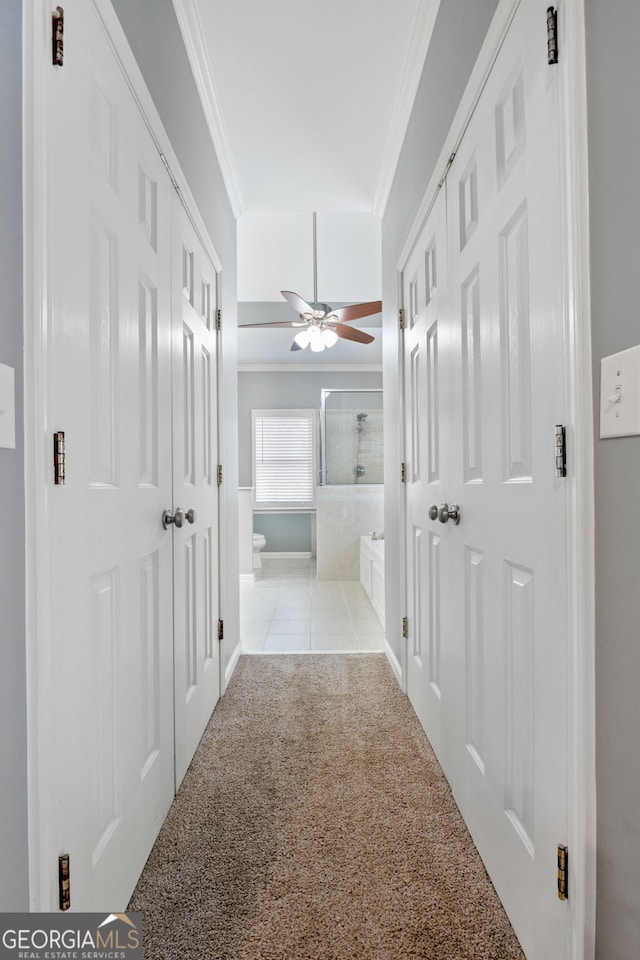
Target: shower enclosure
351, 436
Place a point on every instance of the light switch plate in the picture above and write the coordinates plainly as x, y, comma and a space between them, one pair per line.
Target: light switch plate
620, 394
7, 407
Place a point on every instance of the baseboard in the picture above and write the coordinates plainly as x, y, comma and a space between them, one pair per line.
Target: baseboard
285, 556
233, 662
393, 661
247, 578
312, 653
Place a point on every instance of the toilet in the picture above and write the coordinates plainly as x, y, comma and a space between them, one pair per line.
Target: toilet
259, 543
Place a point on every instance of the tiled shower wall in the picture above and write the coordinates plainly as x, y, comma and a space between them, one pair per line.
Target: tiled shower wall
344, 450
343, 515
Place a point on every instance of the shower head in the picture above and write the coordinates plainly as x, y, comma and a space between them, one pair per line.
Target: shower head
360, 419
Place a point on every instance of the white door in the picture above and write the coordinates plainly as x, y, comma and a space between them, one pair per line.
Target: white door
195, 490
108, 370
425, 291
508, 331
503, 613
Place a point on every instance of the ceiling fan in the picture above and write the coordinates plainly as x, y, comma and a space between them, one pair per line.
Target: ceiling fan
320, 325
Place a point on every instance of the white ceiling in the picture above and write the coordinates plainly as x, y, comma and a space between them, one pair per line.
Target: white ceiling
307, 100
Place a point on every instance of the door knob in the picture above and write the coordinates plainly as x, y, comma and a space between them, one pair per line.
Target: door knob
433, 512
446, 513
176, 518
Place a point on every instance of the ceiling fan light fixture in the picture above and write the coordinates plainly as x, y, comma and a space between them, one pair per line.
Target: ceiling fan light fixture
302, 339
322, 326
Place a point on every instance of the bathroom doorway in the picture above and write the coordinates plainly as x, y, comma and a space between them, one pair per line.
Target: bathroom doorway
307, 594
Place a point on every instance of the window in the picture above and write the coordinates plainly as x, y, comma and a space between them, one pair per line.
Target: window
284, 458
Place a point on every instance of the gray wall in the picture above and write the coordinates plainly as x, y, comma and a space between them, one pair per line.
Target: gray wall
458, 34
154, 35
13, 732
297, 390
277, 391
613, 77
288, 533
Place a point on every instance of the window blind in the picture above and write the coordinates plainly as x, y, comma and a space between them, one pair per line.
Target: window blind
284, 458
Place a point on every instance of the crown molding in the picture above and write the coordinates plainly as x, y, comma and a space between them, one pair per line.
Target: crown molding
192, 35
414, 62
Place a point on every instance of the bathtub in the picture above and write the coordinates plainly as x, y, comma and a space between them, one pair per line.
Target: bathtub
372, 573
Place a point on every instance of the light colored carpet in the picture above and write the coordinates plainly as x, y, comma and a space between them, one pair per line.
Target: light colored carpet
315, 824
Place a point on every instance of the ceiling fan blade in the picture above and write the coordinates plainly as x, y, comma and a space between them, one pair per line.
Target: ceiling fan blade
356, 311
298, 304
283, 324
350, 333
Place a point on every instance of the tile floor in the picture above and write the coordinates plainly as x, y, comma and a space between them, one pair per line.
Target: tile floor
288, 610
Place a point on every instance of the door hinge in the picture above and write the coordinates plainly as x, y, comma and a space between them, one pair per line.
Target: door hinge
59, 462
220, 630
447, 168
561, 451
57, 37
64, 882
219, 474
552, 35
403, 473
218, 319
563, 872
174, 182
405, 628
401, 318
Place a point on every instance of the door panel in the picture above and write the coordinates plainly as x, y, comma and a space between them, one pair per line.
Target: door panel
471, 378
475, 676
424, 280
500, 575
108, 372
197, 660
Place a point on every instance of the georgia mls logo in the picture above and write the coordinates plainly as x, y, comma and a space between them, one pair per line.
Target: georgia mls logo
79, 936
